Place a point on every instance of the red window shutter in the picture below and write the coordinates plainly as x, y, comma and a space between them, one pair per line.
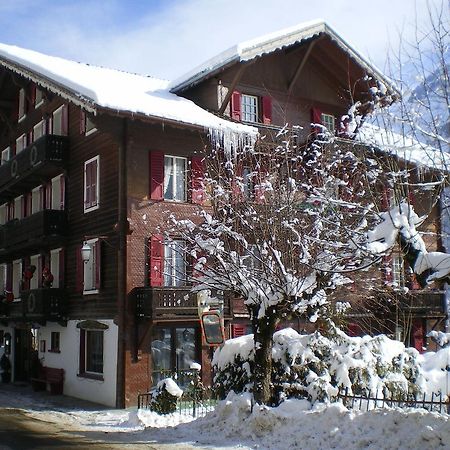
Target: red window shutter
80, 269
82, 122
236, 105
418, 335
237, 330
353, 329
156, 268
49, 125
48, 195
61, 268
29, 138
197, 175
65, 120
25, 280
316, 118
98, 263
266, 103
156, 175
411, 197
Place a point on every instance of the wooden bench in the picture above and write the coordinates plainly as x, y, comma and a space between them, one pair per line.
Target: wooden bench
51, 376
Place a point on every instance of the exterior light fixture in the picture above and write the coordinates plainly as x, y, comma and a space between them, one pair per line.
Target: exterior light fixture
86, 252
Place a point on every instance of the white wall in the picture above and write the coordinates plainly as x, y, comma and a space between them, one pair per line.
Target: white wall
99, 391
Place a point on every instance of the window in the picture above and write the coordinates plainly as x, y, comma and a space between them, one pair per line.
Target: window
16, 277
57, 267
89, 126
249, 108
36, 200
328, 121
174, 178
21, 143
174, 263
39, 98
39, 130
58, 184
91, 184
173, 349
91, 269
54, 341
59, 121
18, 207
22, 105
5, 156
35, 261
398, 272
93, 351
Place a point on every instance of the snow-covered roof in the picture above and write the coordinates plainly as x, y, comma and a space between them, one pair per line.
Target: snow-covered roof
94, 88
404, 147
248, 50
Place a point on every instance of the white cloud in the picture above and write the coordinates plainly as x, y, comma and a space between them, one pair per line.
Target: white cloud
171, 39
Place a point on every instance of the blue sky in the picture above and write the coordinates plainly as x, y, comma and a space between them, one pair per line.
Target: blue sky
166, 38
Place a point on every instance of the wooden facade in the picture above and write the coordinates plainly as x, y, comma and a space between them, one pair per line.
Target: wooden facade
294, 84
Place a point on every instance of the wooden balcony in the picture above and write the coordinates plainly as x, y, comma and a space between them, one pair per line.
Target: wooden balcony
423, 302
41, 160
33, 232
169, 303
43, 304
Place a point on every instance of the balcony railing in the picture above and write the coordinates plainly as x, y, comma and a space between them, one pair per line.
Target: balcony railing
43, 304
37, 305
431, 302
169, 303
33, 231
42, 159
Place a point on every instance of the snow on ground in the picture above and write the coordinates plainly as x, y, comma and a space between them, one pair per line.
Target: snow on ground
293, 425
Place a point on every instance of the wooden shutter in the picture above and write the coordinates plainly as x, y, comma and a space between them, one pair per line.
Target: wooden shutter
9, 272
82, 122
97, 250
39, 270
49, 125
237, 330
65, 120
266, 103
316, 118
156, 266
156, 172
197, 178
25, 280
236, 105
80, 269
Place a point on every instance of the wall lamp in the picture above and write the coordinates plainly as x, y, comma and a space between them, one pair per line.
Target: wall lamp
86, 250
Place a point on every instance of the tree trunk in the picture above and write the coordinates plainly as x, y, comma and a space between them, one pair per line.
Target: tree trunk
263, 329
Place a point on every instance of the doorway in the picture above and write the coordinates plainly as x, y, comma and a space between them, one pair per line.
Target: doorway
23, 348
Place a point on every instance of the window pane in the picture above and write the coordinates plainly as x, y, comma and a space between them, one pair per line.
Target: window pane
94, 351
185, 348
161, 351
174, 264
180, 164
168, 178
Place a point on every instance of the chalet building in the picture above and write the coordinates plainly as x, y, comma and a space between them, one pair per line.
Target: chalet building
93, 162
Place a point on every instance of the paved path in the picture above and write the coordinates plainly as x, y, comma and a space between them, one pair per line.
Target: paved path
20, 430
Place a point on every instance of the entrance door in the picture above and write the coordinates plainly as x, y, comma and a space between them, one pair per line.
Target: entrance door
22, 354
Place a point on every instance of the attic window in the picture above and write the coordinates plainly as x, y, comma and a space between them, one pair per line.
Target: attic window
249, 108
89, 126
22, 103
39, 99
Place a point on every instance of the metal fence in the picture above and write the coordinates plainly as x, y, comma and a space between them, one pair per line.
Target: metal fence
437, 402
196, 401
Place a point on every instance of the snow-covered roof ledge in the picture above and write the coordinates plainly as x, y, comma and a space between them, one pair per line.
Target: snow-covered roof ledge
404, 148
119, 93
248, 50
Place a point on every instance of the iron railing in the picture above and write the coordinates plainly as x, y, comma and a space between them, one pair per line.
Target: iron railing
436, 402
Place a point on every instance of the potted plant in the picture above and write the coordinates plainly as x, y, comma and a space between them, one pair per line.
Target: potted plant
5, 367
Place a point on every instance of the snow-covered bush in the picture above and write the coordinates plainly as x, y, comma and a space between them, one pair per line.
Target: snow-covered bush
316, 366
165, 397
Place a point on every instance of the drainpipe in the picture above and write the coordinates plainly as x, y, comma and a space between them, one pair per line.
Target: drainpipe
122, 229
